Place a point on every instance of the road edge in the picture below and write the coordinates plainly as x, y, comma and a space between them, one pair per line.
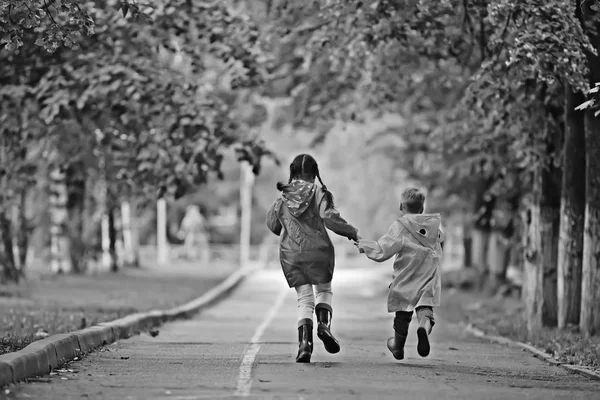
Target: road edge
535, 351
42, 356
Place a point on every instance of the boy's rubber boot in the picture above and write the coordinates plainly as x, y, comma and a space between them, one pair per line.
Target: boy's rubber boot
423, 347
324, 330
396, 345
305, 343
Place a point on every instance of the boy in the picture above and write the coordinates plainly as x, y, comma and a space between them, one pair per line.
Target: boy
415, 239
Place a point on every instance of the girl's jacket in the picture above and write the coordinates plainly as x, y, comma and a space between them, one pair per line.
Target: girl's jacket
415, 240
299, 216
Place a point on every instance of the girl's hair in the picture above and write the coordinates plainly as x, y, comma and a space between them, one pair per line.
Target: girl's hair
306, 166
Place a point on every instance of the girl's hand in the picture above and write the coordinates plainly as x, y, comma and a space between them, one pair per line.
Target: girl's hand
357, 244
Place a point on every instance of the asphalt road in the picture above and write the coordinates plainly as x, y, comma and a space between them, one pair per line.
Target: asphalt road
246, 346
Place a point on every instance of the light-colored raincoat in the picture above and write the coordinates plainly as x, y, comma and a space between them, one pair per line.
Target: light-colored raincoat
415, 240
299, 216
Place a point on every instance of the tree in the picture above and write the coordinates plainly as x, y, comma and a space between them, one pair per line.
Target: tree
23, 149
570, 250
164, 96
590, 290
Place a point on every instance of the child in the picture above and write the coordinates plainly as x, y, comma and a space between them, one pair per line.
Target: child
415, 239
300, 215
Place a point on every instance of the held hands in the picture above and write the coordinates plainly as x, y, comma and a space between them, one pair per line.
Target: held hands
356, 243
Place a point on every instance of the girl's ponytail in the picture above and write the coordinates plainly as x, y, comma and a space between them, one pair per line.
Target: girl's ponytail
328, 194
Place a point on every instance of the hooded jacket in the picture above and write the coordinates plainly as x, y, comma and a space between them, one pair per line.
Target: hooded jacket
299, 216
415, 240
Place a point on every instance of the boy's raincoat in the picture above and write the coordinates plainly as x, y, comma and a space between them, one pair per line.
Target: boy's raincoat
415, 240
299, 216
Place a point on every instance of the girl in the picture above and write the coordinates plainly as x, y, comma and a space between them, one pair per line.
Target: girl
300, 215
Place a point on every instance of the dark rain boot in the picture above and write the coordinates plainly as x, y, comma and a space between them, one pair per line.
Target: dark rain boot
423, 332
396, 344
305, 341
324, 330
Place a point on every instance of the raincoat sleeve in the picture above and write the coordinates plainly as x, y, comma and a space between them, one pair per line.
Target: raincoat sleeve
273, 222
334, 221
388, 245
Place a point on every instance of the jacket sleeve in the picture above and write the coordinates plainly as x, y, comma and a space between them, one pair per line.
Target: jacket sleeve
272, 220
334, 221
383, 249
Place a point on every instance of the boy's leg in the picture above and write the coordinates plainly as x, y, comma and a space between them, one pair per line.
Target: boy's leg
426, 323
401, 324
324, 313
306, 306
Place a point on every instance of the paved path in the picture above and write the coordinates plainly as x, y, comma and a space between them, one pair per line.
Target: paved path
246, 345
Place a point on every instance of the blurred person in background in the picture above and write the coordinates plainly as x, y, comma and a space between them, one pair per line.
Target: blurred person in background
194, 231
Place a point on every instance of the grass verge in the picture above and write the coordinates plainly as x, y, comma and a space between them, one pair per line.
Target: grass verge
45, 304
504, 317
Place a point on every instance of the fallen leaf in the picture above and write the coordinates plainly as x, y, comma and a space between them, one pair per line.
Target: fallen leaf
41, 334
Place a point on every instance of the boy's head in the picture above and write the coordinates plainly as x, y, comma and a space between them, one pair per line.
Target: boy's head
412, 201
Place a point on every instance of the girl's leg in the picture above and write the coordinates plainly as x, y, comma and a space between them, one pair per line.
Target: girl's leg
306, 306
324, 295
324, 312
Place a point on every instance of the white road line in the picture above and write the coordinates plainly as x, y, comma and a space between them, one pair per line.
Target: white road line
244, 384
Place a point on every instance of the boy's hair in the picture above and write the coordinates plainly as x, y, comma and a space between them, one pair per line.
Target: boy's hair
412, 200
304, 165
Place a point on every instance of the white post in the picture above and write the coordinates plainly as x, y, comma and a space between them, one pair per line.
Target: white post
161, 231
128, 250
247, 182
106, 258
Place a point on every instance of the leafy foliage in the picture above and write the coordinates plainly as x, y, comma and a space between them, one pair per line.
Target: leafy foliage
484, 78
145, 107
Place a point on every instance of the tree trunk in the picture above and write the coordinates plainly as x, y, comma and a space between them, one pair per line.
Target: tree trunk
10, 273
130, 248
541, 250
76, 188
590, 287
467, 238
570, 248
484, 207
60, 244
498, 260
23, 232
112, 235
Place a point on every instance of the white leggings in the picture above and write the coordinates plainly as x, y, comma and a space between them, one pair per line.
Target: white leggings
306, 299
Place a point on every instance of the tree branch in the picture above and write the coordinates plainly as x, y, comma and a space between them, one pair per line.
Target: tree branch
46, 7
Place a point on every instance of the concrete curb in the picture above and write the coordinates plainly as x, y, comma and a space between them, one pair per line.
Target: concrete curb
42, 356
536, 352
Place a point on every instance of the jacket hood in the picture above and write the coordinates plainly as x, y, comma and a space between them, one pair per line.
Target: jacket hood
424, 227
298, 195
